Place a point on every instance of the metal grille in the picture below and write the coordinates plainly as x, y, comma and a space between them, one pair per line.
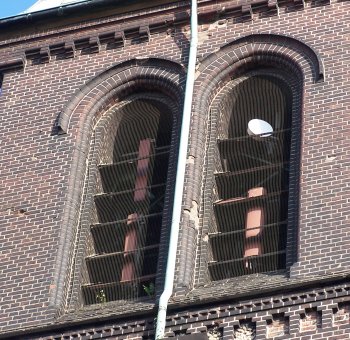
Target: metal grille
251, 182
129, 209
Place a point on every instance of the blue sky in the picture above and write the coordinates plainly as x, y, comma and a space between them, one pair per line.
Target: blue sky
12, 7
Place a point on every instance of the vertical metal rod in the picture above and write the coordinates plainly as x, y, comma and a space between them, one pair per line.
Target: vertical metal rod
180, 176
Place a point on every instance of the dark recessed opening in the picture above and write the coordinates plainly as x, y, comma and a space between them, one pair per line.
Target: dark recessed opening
127, 223
251, 179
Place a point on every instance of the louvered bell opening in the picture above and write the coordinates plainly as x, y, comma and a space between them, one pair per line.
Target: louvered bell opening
129, 210
253, 180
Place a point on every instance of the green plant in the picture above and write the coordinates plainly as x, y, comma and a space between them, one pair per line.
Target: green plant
150, 289
101, 297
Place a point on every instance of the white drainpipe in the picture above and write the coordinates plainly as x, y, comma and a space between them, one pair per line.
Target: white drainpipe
180, 176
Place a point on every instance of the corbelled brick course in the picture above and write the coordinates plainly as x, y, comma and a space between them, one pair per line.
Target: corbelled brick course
43, 73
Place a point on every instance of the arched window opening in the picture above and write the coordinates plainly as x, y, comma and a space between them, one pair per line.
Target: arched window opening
132, 146
248, 233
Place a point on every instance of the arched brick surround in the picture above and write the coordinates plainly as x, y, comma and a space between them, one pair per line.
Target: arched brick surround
159, 80
301, 66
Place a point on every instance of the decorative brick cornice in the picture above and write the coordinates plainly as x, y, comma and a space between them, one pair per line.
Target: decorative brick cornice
12, 64
241, 310
160, 20
201, 318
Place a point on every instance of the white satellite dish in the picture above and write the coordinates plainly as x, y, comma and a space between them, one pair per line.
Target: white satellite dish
259, 128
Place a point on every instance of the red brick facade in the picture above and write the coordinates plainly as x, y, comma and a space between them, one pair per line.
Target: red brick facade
59, 80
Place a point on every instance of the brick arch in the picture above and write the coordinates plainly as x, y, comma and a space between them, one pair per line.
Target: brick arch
81, 115
233, 60
119, 81
275, 41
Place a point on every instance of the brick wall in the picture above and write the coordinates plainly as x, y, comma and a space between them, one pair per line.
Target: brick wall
42, 75
307, 314
35, 186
